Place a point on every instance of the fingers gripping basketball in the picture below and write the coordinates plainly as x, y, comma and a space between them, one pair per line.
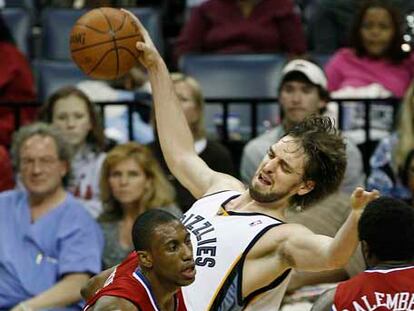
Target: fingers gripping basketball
102, 43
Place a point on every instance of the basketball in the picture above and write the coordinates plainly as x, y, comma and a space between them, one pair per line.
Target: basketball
102, 43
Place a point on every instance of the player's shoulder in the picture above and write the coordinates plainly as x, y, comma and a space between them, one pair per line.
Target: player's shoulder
224, 182
287, 229
273, 238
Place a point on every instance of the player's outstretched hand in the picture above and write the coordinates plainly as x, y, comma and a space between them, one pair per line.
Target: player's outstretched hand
360, 198
149, 55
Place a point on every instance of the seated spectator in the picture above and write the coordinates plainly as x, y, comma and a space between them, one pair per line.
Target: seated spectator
330, 22
407, 175
16, 85
131, 183
386, 232
134, 83
163, 249
70, 110
375, 56
302, 92
49, 244
251, 26
212, 152
6, 169
389, 156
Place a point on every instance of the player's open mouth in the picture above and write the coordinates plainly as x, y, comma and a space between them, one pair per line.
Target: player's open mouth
189, 273
264, 180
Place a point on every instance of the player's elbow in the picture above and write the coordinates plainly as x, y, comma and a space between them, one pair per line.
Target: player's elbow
336, 263
87, 289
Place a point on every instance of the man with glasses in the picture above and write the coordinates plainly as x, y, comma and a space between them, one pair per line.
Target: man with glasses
49, 245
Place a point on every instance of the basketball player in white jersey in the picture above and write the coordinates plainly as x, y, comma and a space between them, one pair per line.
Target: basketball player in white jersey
243, 250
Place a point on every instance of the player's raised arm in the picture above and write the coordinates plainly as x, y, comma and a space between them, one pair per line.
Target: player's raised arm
311, 252
174, 134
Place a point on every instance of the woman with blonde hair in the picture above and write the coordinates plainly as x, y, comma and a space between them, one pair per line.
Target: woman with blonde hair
389, 157
131, 183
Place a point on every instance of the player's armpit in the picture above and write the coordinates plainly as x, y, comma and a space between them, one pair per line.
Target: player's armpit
304, 250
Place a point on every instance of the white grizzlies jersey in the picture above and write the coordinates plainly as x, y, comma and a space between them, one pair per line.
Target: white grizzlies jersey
221, 241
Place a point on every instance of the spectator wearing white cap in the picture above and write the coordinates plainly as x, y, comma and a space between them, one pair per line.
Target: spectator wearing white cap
302, 92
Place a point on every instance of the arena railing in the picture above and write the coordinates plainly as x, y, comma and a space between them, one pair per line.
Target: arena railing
142, 106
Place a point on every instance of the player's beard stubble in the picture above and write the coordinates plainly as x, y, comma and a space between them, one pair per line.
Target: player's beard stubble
266, 197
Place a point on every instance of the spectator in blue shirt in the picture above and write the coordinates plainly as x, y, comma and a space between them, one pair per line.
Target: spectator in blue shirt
49, 245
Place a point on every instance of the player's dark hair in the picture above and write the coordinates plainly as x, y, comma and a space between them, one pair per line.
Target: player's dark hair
145, 224
387, 226
326, 157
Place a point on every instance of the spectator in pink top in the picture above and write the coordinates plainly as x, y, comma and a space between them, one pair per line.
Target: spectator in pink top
242, 26
375, 55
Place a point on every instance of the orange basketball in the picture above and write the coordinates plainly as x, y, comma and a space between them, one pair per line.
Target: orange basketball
102, 43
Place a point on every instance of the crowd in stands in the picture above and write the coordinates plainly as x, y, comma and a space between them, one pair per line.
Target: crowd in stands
374, 55
222, 26
72, 188
71, 111
16, 83
389, 158
132, 182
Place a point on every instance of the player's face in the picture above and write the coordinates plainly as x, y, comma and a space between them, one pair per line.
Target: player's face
127, 181
279, 176
70, 114
186, 97
41, 170
377, 31
172, 254
299, 100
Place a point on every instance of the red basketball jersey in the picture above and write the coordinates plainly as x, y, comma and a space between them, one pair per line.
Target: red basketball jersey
127, 282
377, 289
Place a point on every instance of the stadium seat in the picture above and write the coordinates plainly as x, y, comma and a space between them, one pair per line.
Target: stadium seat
57, 24
321, 59
246, 76
19, 22
229, 76
29, 4
151, 19
51, 75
